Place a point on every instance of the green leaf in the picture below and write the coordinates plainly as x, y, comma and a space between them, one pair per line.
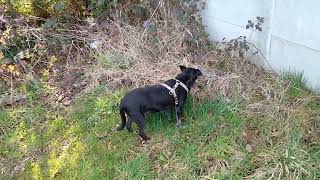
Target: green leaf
58, 6
152, 28
50, 24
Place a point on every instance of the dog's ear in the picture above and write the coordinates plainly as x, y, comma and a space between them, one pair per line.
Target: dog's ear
198, 72
182, 67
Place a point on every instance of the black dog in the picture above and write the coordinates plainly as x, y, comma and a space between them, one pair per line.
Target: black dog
170, 94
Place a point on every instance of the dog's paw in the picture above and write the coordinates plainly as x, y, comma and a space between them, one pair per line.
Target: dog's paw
144, 142
181, 125
145, 138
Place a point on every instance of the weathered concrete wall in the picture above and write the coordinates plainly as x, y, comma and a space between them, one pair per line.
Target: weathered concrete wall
290, 39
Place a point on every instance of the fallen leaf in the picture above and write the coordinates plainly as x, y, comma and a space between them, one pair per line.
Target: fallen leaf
23, 63
41, 46
53, 59
11, 68
249, 148
67, 102
17, 73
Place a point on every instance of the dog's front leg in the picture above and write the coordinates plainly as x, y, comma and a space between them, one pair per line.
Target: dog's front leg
178, 115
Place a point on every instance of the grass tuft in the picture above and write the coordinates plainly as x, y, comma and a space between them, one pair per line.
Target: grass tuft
297, 84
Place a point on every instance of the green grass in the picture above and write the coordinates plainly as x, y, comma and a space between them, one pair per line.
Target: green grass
297, 84
66, 143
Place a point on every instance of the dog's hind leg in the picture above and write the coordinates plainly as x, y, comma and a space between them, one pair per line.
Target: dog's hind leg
123, 120
129, 124
141, 121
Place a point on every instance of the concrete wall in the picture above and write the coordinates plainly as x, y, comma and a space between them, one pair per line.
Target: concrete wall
290, 39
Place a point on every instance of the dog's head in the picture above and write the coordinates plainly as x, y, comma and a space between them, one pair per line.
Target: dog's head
189, 75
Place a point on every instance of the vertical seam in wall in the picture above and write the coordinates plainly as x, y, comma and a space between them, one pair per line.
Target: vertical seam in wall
269, 39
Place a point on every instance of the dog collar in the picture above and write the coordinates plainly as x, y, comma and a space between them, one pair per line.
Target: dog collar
172, 91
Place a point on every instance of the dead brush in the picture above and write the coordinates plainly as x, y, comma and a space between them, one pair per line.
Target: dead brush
152, 51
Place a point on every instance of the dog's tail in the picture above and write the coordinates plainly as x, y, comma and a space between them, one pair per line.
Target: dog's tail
123, 119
